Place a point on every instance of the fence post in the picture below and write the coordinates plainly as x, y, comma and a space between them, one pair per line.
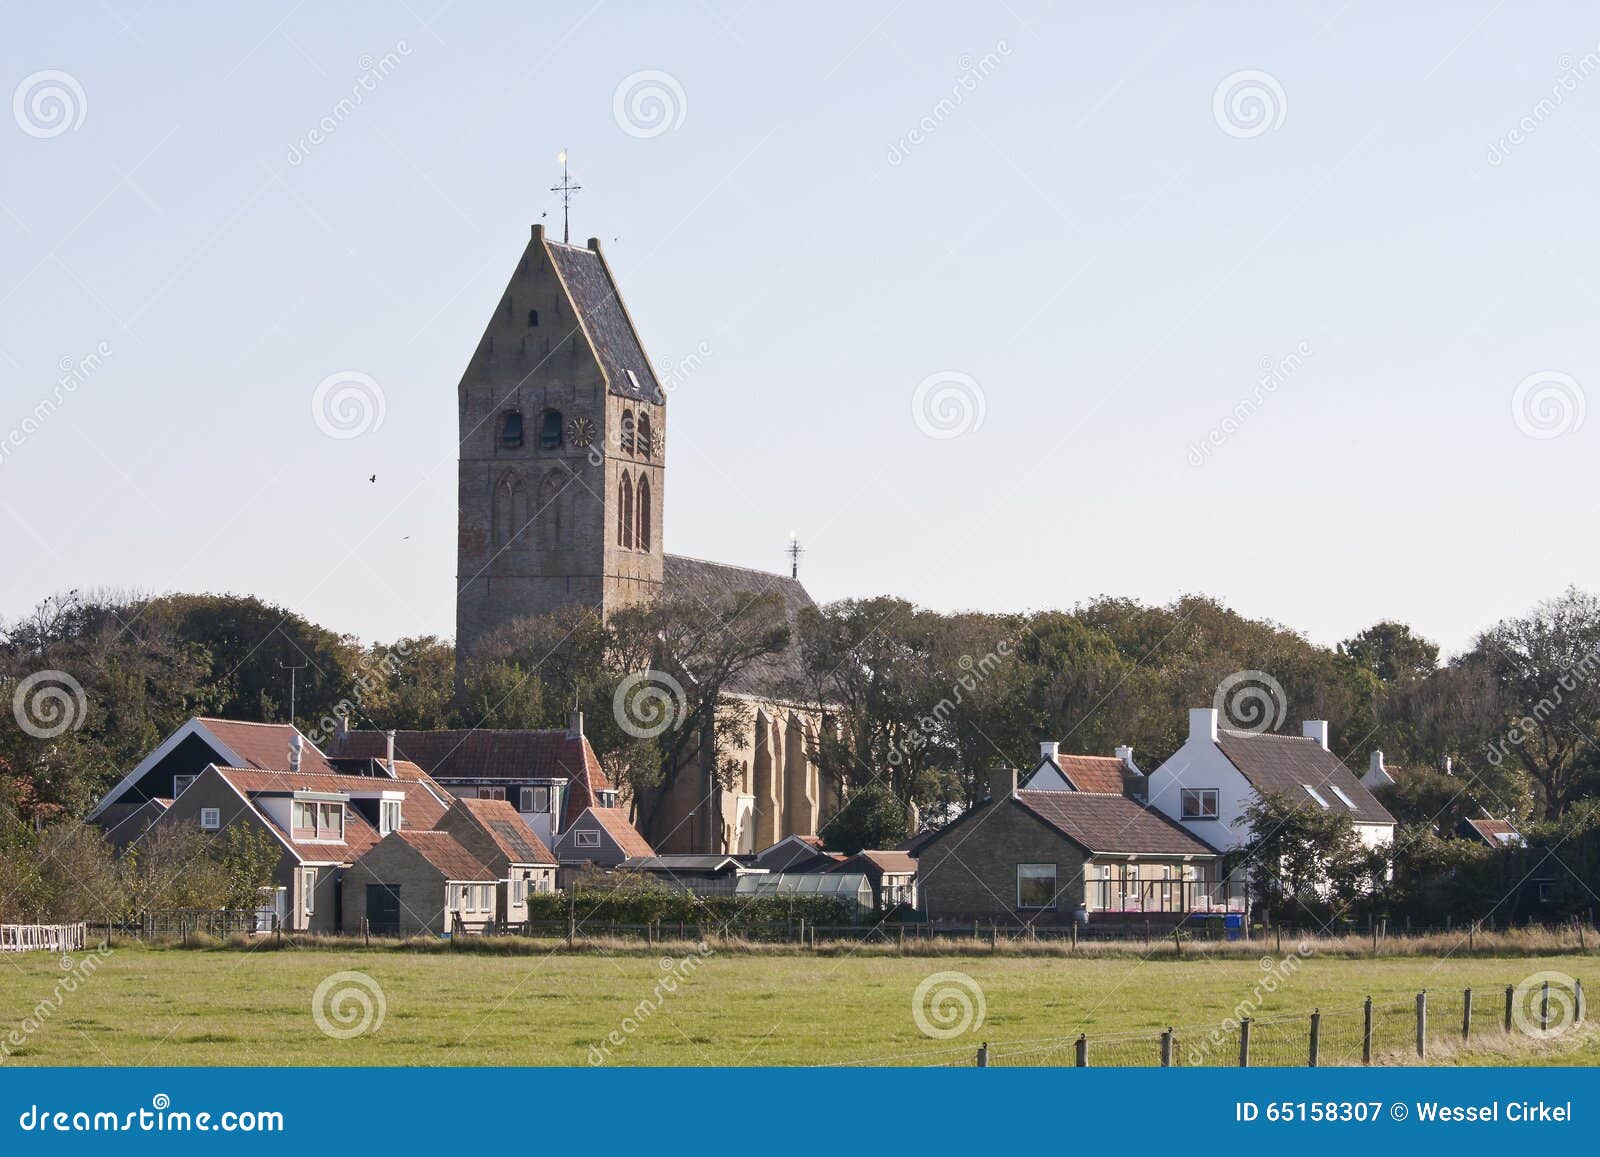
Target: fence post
1511, 1000
1316, 1038
1166, 1049
1466, 1015
1374, 938
1422, 1025
1082, 1050
983, 1055
1544, 1009
1074, 933
1578, 1010
1244, 1043
1366, 1032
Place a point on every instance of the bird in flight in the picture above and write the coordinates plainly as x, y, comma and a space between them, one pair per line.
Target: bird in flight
374, 478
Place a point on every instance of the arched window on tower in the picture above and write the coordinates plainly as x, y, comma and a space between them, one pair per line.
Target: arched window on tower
511, 429
627, 431
625, 512
550, 430
642, 436
643, 535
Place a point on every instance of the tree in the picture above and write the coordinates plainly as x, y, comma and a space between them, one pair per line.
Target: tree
871, 818
1390, 651
247, 856
1301, 860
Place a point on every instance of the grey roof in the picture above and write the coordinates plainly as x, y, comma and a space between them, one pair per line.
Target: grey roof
805, 884
1113, 824
780, 676
688, 862
1284, 764
606, 322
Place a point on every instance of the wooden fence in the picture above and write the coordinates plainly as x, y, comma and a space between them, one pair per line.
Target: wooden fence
1396, 1031
42, 937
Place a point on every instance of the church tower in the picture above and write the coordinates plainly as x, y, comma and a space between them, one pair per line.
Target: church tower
563, 449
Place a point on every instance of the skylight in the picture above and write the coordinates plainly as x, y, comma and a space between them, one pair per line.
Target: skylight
1344, 799
1314, 794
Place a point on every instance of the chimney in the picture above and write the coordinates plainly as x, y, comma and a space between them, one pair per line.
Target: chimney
1133, 781
1316, 729
1375, 764
1049, 749
388, 746
1002, 783
594, 243
1203, 724
297, 743
575, 724
538, 231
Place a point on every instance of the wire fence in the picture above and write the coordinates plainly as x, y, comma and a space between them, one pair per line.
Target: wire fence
1373, 1032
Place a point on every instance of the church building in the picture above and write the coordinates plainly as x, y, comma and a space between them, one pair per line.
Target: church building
563, 435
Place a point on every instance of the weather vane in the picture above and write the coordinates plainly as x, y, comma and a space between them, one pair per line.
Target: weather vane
795, 551
566, 189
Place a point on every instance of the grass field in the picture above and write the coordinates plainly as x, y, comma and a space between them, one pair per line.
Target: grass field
151, 1006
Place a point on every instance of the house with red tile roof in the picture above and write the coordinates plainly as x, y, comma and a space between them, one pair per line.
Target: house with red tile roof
1107, 774
548, 776
492, 831
322, 821
415, 883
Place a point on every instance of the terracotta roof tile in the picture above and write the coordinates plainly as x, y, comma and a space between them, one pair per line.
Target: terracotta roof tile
501, 823
421, 810
617, 826
445, 852
264, 745
1098, 773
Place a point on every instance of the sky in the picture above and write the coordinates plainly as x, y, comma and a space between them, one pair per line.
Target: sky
998, 307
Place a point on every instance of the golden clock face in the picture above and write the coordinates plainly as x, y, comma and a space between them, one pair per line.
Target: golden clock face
580, 432
658, 443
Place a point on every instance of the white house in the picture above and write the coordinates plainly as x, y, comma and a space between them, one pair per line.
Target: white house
1209, 781
1108, 774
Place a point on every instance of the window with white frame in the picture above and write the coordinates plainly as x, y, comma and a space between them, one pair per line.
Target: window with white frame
519, 888
210, 819
1315, 794
179, 782
1199, 803
304, 820
330, 821
308, 891
535, 799
1036, 885
486, 897
586, 838
388, 816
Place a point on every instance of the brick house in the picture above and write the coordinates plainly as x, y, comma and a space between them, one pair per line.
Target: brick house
420, 883
496, 836
323, 823
1034, 857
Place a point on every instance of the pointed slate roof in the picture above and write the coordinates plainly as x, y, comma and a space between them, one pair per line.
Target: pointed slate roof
606, 323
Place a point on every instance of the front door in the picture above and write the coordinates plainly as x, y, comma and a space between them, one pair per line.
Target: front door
383, 908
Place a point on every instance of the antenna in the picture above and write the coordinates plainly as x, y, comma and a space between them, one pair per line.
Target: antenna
566, 189
795, 551
293, 671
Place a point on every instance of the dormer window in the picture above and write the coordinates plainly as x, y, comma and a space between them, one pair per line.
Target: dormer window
550, 430
317, 820
511, 429
608, 798
388, 816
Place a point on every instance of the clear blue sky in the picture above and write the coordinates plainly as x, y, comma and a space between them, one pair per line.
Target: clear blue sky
1105, 249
